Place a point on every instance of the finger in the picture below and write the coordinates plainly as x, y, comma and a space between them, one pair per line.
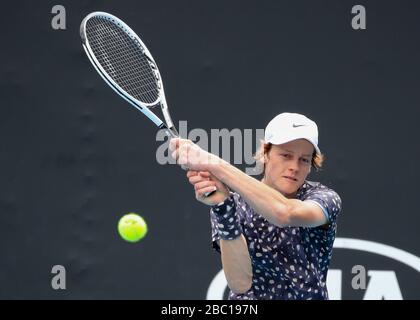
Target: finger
195, 179
204, 184
182, 154
175, 155
205, 174
191, 173
218, 182
173, 144
182, 160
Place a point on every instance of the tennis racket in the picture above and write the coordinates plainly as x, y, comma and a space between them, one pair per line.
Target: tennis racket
124, 62
126, 65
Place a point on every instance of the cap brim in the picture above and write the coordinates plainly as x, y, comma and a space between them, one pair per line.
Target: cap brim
292, 138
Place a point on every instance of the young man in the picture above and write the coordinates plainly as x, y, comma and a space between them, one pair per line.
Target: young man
275, 235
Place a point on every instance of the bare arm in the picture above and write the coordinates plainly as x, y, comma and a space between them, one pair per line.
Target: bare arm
236, 264
267, 201
236, 261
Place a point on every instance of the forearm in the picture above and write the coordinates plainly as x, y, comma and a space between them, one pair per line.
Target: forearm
268, 202
233, 246
236, 264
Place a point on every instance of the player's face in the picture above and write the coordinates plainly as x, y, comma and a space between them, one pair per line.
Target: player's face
287, 166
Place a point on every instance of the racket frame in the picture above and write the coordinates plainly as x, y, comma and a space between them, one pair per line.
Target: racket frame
169, 127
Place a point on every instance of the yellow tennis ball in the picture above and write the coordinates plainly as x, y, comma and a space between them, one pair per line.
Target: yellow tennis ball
132, 227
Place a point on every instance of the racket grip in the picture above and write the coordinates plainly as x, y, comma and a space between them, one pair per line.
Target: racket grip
208, 194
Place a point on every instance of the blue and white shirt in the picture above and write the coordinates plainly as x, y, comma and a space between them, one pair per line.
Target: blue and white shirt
288, 263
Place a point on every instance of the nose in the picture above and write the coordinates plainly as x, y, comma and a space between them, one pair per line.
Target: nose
294, 166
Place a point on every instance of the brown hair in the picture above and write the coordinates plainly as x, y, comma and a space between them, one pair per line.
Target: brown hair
316, 162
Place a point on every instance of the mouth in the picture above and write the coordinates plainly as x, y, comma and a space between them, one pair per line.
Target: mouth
290, 178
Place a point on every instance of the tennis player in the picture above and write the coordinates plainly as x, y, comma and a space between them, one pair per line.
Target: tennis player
276, 235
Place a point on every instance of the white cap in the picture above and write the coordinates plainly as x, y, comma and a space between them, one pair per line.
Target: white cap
287, 127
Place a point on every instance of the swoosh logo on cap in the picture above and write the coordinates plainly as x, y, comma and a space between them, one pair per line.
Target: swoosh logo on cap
298, 125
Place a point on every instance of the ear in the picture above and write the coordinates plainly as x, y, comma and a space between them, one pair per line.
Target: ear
265, 158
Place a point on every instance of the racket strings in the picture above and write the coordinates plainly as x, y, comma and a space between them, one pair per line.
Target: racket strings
139, 82
133, 78
123, 59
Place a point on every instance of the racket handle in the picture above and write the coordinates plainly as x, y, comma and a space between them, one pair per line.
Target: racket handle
170, 132
208, 194
173, 133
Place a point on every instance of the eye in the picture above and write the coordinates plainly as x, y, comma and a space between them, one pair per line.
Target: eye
285, 155
305, 160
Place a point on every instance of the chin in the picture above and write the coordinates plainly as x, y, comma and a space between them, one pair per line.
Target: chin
286, 190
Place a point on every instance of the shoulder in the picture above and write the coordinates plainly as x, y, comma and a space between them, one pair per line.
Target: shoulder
313, 187
324, 196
